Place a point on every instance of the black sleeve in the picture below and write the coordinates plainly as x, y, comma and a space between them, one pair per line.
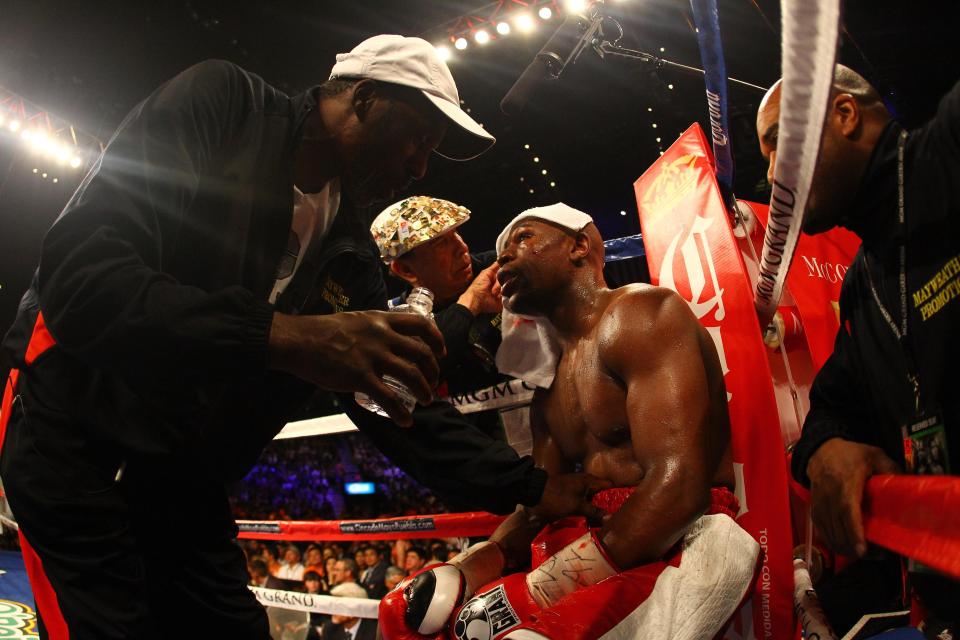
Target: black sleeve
945, 127
454, 323
466, 468
103, 291
837, 404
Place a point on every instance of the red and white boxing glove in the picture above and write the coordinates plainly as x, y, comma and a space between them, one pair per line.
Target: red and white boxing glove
506, 605
423, 605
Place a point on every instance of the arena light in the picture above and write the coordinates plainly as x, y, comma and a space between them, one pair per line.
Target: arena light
526, 146
2, 120
670, 86
553, 184
543, 171
622, 212
525, 23
649, 108
654, 125
545, 13
481, 36
503, 28
444, 53
359, 488
75, 162
461, 43
536, 158
575, 6
14, 125
662, 49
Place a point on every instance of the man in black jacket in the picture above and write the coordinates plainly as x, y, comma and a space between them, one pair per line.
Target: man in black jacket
203, 280
892, 379
419, 241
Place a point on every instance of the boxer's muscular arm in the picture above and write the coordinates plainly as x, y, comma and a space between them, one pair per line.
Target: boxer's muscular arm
651, 342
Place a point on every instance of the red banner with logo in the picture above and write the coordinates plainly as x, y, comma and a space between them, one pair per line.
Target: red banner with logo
814, 281
691, 249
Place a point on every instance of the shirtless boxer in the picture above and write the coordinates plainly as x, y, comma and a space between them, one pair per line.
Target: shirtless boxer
638, 399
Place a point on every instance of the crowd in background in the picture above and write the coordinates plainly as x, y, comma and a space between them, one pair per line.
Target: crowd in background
358, 570
304, 479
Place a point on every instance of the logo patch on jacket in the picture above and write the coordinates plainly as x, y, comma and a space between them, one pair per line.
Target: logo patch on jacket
335, 296
485, 616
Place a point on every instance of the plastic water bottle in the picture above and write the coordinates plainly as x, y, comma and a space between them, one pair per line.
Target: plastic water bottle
419, 301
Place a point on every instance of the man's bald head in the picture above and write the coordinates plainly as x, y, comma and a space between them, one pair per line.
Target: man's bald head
856, 116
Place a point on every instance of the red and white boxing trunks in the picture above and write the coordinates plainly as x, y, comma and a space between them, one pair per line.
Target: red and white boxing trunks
690, 594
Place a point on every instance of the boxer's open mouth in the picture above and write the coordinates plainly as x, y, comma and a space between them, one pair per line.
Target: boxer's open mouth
508, 282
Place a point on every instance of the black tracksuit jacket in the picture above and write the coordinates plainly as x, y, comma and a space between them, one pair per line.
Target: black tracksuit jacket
862, 392
154, 283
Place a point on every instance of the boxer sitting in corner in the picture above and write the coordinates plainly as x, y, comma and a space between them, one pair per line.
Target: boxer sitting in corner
632, 391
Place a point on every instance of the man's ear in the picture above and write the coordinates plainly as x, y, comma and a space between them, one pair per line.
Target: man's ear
846, 114
400, 269
365, 93
581, 247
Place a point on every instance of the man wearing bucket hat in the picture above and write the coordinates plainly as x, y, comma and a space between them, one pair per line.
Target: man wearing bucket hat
419, 241
204, 280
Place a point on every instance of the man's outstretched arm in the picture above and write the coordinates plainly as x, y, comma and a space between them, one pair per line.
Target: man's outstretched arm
655, 346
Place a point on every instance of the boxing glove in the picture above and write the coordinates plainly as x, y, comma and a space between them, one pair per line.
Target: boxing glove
515, 602
499, 608
422, 605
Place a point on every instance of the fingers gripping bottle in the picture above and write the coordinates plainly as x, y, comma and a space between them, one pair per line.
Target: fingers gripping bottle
419, 301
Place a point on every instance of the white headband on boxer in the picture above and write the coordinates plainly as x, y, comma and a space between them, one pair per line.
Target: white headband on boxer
529, 349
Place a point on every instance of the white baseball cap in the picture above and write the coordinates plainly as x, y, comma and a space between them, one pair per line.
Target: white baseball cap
413, 62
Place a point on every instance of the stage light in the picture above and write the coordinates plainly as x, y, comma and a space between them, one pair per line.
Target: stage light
481, 37
553, 184
545, 13
531, 190
524, 23
662, 49
526, 146
56, 179
27, 135
503, 28
14, 125
43, 175
35, 170
63, 155
575, 6
661, 153
622, 212
75, 162
544, 172
654, 125
658, 139
649, 108
536, 158
444, 53
461, 43
521, 178
670, 86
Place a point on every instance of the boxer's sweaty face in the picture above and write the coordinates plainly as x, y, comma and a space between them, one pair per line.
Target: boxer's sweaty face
534, 265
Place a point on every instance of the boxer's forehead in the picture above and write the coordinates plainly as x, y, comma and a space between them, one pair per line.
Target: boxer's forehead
540, 225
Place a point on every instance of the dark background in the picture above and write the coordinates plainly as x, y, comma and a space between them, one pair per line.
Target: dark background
90, 62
